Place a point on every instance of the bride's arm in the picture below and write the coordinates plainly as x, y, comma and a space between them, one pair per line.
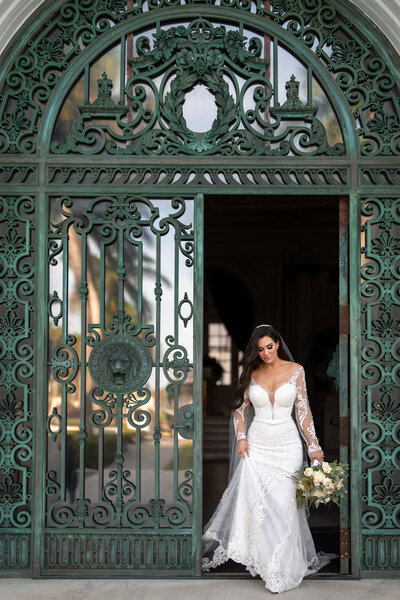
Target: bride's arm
240, 419
239, 422
305, 419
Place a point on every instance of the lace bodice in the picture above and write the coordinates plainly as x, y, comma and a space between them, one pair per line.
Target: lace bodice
276, 407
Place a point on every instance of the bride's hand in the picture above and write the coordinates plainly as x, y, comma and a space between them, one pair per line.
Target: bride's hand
243, 448
317, 455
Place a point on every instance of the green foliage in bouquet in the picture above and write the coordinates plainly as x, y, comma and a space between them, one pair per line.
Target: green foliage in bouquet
321, 484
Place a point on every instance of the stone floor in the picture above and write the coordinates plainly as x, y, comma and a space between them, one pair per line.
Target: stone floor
206, 589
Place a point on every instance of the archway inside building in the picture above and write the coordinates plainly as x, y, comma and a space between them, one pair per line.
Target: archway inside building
271, 260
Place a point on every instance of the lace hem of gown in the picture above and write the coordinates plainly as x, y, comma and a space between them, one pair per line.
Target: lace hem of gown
273, 583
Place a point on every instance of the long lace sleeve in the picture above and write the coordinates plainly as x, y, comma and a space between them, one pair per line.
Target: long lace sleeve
240, 420
303, 413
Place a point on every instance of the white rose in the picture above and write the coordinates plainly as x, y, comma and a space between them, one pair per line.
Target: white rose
309, 472
328, 483
318, 494
326, 467
318, 477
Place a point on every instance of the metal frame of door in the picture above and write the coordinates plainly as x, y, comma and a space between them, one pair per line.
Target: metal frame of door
345, 411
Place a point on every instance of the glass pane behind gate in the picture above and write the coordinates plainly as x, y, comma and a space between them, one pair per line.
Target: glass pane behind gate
120, 364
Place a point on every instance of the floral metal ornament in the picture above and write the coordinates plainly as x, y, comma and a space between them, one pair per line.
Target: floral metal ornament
356, 67
380, 376
184, 57
16, 369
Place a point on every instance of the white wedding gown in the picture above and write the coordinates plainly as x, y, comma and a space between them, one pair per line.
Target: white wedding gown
257, 522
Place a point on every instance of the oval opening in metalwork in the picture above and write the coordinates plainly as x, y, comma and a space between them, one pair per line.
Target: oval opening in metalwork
199, 109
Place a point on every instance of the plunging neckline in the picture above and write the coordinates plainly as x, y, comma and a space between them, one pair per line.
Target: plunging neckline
279, 386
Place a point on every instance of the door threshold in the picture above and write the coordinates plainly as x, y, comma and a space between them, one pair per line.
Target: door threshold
338, 576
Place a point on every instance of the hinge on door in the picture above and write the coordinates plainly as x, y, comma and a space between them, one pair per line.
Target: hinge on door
344, 431
344, 319
345, 543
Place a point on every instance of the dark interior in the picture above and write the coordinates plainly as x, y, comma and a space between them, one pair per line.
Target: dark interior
271, 260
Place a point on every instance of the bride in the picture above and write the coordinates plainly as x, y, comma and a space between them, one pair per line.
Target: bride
257, 522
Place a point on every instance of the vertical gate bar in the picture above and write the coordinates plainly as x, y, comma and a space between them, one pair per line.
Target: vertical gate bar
65, 297
343, 368
275, 60
267, 58
39, 410
176, 285
121, 280
82, 412
100, 463
100, 441
309, 85
156, 434
102, 285
86, 85
138, 481
176, 442
198, 380
119, 460
176, 341
138, 327
64, 394
355, 387
122, 70
140, 285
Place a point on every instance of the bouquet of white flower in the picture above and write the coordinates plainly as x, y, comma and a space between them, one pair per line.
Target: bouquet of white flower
320, 484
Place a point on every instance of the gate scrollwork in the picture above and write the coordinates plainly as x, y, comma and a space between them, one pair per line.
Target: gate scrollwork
357, 68
113, 362
381, 379
218, 58
16, 369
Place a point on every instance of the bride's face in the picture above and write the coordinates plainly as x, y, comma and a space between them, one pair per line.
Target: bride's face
267, 349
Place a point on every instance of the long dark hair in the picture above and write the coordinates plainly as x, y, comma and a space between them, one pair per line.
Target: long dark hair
251, 360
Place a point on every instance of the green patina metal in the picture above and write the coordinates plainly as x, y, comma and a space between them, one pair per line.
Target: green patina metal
380, 322
340, 48
17, 369
184, 57
94, 211
129, 366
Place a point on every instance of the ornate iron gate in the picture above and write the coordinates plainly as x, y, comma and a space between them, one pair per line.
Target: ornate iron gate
380, 319
100, 176
124, 310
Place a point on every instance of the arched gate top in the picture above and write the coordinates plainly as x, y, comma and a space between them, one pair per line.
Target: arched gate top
331, 38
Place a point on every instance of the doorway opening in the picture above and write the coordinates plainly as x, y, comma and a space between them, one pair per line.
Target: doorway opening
270, 260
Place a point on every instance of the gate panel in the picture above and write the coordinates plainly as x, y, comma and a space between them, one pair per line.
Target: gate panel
120, 436
16, 378
380, 356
